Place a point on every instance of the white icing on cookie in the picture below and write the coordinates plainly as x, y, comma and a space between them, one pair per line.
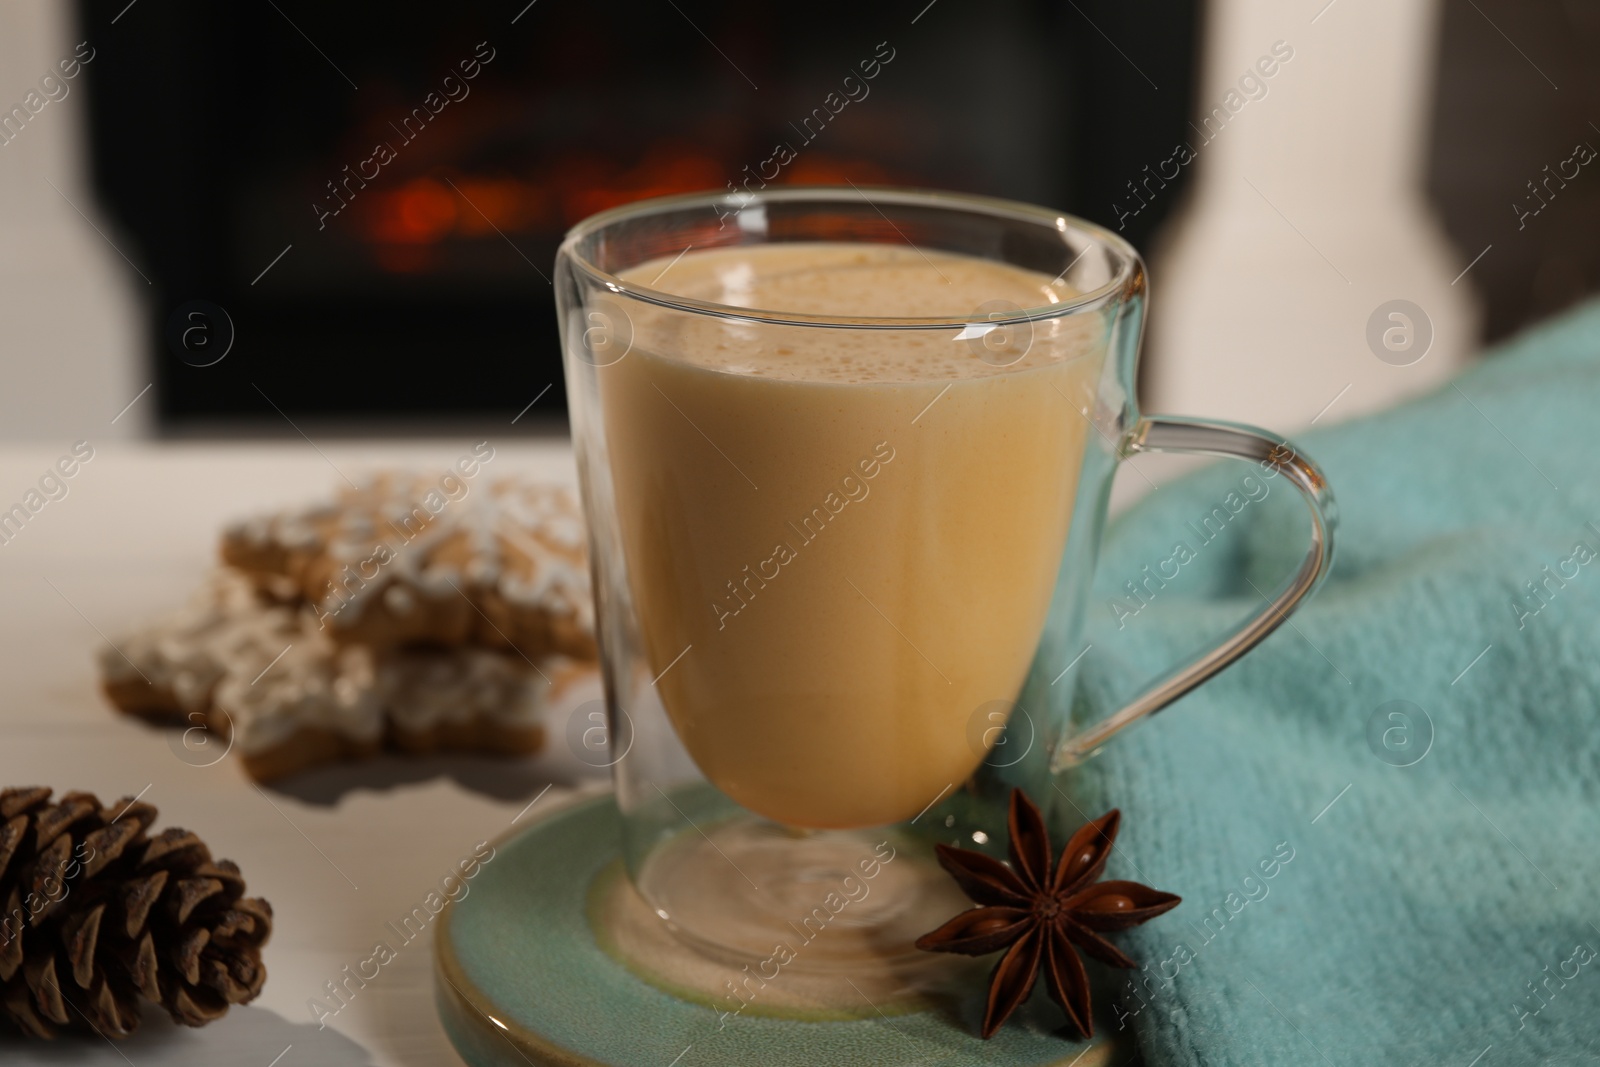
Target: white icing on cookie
313, 685
186, 652
274, 672
395, 533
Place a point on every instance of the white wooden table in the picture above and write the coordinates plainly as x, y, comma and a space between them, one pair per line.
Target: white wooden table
338, 852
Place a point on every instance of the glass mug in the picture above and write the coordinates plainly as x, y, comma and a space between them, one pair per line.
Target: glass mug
825, 545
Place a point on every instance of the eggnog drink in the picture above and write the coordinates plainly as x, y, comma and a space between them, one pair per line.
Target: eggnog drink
840, 544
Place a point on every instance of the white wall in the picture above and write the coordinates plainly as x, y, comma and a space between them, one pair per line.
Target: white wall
1307, 214
70, 341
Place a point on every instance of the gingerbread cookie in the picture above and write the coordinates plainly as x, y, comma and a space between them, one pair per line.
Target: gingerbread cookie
266, 681
171, 668
403, 559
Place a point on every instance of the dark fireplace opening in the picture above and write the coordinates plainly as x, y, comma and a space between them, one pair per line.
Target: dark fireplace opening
368, 200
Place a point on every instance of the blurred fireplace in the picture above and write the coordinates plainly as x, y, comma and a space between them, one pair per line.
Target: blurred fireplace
376, 199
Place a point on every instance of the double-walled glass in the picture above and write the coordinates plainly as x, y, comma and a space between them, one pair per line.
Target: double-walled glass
821, 594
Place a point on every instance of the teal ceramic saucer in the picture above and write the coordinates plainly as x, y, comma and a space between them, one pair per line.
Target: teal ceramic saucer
522, 978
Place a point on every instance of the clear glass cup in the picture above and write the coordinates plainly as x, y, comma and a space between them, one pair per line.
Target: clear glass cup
820, 601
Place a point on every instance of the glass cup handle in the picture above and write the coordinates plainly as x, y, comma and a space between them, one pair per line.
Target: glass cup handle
1209, 438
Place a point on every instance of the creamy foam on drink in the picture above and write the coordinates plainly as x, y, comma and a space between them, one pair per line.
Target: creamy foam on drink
855, 533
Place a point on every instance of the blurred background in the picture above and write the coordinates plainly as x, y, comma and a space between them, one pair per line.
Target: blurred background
275, 217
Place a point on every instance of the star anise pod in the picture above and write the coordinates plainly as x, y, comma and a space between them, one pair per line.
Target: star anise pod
1043, 918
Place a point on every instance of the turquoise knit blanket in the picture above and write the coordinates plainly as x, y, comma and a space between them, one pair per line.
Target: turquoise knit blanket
1385, 821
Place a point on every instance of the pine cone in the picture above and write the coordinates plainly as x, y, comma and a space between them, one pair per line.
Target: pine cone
99, 915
